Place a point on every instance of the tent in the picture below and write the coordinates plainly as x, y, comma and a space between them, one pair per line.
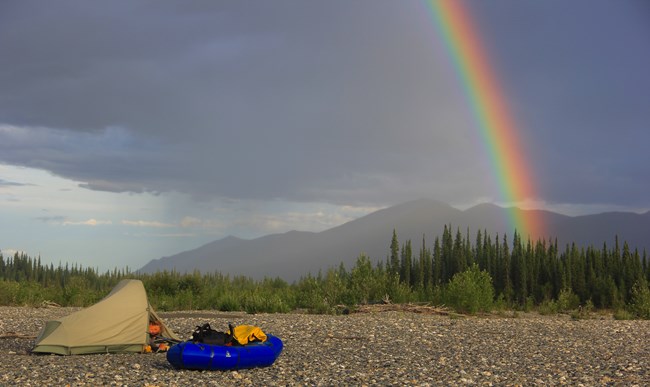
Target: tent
118, 323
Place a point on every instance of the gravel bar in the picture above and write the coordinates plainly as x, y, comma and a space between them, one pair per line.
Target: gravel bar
387, 348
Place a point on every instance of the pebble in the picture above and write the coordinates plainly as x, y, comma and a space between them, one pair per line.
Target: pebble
386, 348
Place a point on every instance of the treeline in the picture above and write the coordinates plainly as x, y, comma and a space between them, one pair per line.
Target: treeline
26, 281
524, 272
452, 271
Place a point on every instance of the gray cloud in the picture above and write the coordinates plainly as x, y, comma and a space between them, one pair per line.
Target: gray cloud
7, 183
58, 219
342, 102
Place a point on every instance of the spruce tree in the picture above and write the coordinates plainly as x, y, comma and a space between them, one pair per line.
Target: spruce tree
447, 255
394, 255
437, 263
405, 272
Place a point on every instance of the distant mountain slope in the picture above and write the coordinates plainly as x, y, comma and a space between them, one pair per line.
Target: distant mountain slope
296, 253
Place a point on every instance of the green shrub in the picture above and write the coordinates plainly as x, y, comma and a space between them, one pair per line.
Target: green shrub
401, 293
500, 304
253, 303
9, 292
589, 307
228, 303
640, 303
470, 291
529, 304
583, 312
185, 300
622, 314
162, 302
567, 300
361, 280
548, 307
161, 283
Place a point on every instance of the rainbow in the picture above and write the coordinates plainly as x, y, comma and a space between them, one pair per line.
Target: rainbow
498, 130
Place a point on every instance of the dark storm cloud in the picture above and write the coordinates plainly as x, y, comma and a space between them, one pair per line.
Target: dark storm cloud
332, 101
574, 76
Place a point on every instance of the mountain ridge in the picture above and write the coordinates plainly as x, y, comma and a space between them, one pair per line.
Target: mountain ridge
293, 254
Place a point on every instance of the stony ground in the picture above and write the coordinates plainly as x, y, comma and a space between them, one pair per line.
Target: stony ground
389, 348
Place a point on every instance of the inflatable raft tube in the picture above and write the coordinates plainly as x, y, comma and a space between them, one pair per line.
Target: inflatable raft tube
199, 356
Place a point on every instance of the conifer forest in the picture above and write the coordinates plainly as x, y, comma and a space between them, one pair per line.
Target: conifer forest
470, 274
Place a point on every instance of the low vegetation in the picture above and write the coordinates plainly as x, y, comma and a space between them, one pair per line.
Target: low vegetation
469, 278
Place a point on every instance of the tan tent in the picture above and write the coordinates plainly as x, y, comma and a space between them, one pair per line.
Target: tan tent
118, 323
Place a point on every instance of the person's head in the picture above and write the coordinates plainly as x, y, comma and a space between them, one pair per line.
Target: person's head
154, 328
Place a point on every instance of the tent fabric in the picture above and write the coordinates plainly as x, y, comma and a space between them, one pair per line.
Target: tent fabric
118, 323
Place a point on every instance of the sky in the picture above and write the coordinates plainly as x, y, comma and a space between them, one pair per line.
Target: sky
132, 130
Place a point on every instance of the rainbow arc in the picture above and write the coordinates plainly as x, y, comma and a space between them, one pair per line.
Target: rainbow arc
494, 122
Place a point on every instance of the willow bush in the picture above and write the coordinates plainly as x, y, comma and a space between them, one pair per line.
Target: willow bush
640, 304
470, 291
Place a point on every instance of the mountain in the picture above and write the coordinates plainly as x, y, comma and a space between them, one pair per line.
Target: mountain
296, 253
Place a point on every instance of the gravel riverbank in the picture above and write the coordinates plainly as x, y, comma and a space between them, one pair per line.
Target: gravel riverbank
389, 348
